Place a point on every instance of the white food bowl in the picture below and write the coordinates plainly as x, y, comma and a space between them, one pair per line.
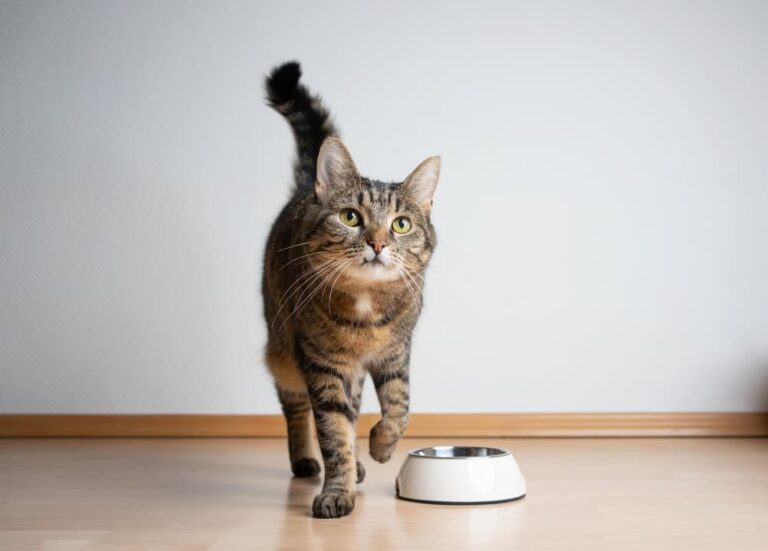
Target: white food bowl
460, 475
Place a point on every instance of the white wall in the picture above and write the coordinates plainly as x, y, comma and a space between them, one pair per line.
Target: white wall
602, 212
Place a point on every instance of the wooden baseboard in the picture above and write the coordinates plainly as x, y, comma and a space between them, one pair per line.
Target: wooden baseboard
421, 425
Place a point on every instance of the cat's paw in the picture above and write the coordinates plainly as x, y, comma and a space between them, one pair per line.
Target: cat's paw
305, 467
383, 442
360, 472
333, 504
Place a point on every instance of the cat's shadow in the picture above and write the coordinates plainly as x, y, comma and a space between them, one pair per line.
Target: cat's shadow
300, 493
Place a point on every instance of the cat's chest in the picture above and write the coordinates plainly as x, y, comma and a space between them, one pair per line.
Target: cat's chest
363, 305
354, 329
363, 322
366, 308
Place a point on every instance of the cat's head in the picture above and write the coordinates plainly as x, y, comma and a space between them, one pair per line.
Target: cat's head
368, 230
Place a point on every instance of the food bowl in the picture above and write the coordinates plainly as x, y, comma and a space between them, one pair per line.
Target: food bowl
460, 475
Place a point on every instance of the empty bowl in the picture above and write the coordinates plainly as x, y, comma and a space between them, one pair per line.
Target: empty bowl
460, 475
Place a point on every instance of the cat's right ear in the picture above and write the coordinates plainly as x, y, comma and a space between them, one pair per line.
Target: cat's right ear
335, 167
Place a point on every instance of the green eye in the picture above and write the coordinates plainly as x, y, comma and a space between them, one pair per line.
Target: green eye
401, 225
351, 217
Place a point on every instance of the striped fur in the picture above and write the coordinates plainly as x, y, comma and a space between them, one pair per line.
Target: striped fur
340, 300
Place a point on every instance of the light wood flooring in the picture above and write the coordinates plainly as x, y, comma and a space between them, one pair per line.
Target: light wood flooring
231, 494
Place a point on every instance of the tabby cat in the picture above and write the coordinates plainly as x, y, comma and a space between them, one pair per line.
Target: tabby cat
343, 277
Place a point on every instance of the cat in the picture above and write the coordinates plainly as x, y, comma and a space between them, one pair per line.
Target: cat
342, 284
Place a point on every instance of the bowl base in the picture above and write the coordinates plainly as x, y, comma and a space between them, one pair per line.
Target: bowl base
398, 496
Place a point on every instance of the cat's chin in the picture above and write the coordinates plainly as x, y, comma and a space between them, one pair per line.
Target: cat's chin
370, 272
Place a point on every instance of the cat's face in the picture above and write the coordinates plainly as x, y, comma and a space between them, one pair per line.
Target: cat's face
367, 230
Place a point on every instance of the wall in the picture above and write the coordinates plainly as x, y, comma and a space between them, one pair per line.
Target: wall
602, 210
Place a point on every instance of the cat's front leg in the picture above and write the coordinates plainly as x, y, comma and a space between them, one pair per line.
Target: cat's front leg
329, 390
391, 381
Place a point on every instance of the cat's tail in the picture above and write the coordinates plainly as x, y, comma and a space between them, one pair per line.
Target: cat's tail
310, 121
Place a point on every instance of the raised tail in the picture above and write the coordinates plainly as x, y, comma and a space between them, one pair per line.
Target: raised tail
310, 121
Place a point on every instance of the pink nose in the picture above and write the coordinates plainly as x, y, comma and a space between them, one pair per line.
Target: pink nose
377, 245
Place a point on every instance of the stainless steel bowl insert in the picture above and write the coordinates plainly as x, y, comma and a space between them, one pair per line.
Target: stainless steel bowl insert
458, 452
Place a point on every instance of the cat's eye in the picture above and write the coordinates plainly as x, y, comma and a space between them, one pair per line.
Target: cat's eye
401, 224
351, 217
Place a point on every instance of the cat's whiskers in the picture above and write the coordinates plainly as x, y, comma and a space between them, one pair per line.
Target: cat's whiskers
418, 270
304, 279
413, 277
318, 276
300, 280
402, 270
334, 276
323, 269
302, 257
306, 285
312, 269
292, 246
411, 283
328, 264
319, 283
308, 271
415, 296
355, 253
408, 286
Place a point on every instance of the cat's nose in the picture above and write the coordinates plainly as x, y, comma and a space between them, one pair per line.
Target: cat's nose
377, 244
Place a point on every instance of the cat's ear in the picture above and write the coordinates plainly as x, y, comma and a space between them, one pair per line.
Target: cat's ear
422, 182
335, 167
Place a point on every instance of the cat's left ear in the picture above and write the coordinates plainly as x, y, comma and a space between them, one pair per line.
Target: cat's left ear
422, 182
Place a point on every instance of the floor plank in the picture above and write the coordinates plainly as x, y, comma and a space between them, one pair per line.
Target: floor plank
230, 494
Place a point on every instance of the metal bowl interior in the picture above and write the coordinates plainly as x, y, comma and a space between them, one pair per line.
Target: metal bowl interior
458, 452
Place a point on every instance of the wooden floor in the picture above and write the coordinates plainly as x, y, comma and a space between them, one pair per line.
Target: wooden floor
230, 494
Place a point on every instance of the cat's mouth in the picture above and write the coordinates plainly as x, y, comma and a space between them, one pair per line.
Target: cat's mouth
378, 268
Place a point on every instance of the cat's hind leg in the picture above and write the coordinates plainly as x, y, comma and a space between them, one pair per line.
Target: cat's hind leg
298, 418
292, 392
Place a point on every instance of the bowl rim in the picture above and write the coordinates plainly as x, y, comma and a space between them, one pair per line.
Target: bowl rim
502, 453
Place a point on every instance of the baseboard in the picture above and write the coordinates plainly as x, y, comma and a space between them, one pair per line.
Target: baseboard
421, 425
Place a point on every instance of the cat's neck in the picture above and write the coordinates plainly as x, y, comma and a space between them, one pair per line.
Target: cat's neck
369, 300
